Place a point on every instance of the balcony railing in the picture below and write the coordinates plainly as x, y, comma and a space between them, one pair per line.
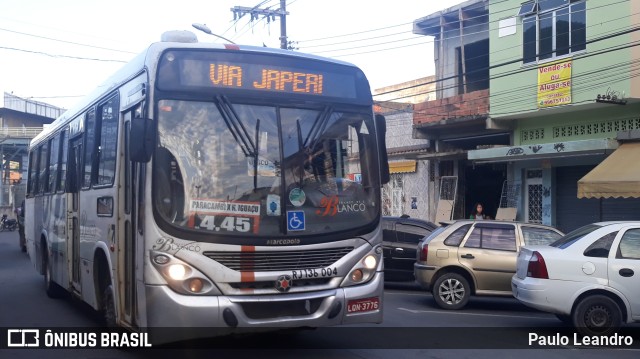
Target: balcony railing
20, 132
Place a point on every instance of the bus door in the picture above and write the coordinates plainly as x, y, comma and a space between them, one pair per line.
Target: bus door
75, 171
128, 240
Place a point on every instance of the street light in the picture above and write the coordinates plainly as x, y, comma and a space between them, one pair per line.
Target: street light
204, 28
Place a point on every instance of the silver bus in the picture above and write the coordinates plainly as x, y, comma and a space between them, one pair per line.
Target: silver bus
208, 185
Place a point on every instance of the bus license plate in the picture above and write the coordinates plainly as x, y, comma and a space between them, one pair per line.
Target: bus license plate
363, 305
314, 273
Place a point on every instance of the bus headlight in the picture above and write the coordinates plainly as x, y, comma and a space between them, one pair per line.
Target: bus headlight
177, 271
370, 261
365, 269
182, 277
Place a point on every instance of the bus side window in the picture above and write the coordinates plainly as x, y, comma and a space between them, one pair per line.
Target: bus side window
62, 168
54, 156
89, 147
33, 170
43, 168
108, 137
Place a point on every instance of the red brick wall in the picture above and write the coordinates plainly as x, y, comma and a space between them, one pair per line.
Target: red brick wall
469, 104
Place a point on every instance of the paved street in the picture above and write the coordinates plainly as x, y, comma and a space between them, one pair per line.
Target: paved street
410, 314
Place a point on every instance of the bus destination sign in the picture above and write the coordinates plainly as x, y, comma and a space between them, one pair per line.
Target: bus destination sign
258, 72
269, 79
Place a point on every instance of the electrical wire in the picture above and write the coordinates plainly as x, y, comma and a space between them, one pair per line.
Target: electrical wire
429, 41
60, 56
517, 98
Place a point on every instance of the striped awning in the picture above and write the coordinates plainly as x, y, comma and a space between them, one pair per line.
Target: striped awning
617, 176
402, 167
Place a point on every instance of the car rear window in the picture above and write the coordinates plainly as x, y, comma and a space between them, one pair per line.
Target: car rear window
573, 236
456, 237
601, 247
539, 236
435, 233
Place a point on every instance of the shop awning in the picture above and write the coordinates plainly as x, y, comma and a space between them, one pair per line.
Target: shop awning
544, 151
617, 176
402, 167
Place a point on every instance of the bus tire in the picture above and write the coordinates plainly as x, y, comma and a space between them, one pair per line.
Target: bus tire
109, 307
53, 289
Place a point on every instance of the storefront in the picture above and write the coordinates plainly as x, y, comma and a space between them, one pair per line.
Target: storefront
548, 175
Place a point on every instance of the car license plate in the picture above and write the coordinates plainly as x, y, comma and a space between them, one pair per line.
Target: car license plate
363, 305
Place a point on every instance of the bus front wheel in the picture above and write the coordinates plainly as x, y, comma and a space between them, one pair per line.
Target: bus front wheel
109, 307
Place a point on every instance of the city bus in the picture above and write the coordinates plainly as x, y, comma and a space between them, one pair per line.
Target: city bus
221, 186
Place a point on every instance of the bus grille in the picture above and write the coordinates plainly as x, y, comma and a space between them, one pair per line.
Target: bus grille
279, 261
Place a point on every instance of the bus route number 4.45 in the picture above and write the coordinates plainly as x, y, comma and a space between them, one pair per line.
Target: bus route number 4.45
240, 224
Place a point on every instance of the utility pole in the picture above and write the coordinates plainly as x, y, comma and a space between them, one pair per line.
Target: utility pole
255, 12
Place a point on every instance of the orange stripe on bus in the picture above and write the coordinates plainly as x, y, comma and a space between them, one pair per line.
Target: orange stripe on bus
247, 264
247, 277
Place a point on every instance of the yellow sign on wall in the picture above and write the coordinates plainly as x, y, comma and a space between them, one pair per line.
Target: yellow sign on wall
554, 84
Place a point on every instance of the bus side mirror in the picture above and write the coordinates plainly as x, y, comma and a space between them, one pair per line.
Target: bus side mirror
381, 127
142, 140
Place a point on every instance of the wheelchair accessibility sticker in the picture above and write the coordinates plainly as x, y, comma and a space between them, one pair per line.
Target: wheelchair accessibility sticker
295, 220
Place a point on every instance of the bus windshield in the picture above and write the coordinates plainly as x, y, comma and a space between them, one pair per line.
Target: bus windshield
241, 169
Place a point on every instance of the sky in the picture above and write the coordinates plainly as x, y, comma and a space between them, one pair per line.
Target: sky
57, 51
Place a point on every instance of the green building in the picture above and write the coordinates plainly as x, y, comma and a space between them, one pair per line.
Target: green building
564, 82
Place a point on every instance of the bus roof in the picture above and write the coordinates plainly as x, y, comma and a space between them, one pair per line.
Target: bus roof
151, 56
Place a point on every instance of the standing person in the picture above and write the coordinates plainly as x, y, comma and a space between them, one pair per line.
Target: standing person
477, 213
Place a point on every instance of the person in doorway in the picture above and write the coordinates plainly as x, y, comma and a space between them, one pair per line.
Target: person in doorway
478, 213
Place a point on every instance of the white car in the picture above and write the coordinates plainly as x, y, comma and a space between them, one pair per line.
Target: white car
589, 278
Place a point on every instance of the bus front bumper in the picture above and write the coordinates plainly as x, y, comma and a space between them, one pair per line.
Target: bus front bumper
171, 315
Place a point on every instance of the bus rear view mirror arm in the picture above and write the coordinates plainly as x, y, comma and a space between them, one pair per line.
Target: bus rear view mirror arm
142, 139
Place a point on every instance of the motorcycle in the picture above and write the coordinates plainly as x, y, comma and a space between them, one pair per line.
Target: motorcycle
8, 223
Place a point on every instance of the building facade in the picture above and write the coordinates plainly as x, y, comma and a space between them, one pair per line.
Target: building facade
456, 121
20, 121
563, 79
407, 191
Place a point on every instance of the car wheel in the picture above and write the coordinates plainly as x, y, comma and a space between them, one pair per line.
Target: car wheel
109, 308
53, 290
451, 291
597, 315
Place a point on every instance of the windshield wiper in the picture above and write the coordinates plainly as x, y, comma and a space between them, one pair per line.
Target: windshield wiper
255, 158
318, 127
236, 127
300, 149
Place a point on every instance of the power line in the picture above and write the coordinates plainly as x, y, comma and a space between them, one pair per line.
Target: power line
517, 97
60, 56
408, 32
67, 42
518, 59
429, 41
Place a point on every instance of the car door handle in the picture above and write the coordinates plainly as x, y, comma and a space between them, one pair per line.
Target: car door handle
626, 272
467, 256
399, 250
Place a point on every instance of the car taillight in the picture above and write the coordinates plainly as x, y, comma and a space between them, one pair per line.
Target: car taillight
537, 267
424, 251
